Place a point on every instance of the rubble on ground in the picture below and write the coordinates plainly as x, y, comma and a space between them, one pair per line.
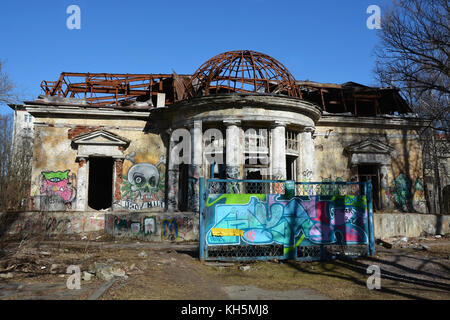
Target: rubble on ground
407, 242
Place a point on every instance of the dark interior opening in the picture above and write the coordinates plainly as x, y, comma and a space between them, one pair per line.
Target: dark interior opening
100, 183
254, 175
183, 187
291, 167
368, 172
219, 171
446, 197
253, 187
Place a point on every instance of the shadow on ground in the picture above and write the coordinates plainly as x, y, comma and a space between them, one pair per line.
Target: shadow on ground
403, 275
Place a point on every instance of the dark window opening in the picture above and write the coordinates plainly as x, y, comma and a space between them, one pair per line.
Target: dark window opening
100, 183
446, 197
291, 167
366, 109
254, 187
368, 172
183, 187
254, 175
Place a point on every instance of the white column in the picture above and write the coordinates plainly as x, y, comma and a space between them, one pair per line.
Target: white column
233, 148
307, 154
172, 179
279, 151
81, 184
298, 175
195, 167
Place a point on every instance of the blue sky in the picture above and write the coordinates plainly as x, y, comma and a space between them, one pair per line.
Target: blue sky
323, 40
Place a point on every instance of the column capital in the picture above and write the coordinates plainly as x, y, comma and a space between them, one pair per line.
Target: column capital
194, 124
232, 122
278, 123
309, 129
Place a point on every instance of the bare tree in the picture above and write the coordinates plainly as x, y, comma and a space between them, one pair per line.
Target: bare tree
7, 87
15, 162
413, 55
5, 156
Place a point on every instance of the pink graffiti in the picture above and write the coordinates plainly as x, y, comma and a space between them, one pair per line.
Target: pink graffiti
345, 220
59, 188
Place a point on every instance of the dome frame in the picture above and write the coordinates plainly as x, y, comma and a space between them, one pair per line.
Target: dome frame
242, 71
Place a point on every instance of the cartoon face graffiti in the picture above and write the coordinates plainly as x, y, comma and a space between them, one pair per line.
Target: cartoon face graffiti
144, 179
58, 183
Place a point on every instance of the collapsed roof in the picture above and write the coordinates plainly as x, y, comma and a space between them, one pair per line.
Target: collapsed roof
230, 72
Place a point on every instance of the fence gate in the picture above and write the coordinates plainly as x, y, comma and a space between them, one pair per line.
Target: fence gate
277, 219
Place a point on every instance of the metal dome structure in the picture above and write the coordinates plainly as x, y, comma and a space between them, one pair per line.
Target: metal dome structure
242, 71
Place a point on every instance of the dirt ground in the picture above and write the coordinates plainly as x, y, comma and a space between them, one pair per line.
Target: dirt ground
34, 269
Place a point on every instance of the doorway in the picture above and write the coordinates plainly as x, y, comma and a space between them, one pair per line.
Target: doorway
291, 167
368, 172
446, 201
100, 182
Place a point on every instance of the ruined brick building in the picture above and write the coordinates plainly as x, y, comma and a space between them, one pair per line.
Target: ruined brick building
103, 141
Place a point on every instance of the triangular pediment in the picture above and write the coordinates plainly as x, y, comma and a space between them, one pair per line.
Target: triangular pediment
100, 137
369, 146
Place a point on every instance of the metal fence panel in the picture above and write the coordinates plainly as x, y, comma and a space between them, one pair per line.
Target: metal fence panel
274, 219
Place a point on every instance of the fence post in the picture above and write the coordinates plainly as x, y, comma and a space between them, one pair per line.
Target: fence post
289, 189
371, 240
201, 218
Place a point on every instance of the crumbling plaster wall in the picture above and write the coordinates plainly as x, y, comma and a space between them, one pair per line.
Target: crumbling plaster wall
404, 187
55, 167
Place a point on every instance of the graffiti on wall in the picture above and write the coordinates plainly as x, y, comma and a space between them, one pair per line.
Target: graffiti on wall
143, 185
270, 219
406, 196
142, 226
58, 184
54, 224
149, 225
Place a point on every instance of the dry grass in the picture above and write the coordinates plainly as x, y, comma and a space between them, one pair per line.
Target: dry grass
168, 274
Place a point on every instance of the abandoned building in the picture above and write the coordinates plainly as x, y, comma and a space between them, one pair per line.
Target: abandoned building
103, 141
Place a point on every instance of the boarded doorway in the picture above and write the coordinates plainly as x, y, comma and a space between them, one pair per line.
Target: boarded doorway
100, 182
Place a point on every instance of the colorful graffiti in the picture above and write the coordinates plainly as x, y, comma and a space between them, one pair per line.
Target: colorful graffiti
406, 196
402, 192
143, 185
169, 229
58, 183
419, 202
149, 225
271, 219
47, 223
141, 226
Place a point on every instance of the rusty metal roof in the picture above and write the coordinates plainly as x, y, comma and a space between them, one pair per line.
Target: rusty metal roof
242, 71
